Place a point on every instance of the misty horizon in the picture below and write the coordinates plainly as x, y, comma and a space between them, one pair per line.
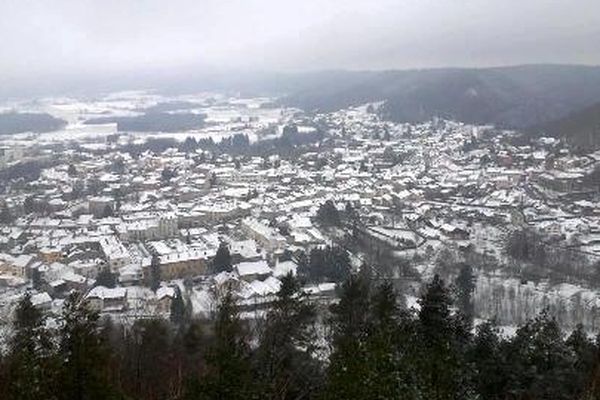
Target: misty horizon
92, 38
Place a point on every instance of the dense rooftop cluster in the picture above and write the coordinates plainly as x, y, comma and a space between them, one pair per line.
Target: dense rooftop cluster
128, 217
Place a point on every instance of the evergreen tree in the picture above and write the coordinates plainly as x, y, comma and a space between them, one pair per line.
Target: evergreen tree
350, 316
189, 145
328, 214
212, 181
586, 354
118, 166
373, 345
284, 362
390, 358
72, 171
363, 166
179, 312
155, 275
222, 260
540, 365
351, 213
36, 278
228, 370
6, 216
30, 362
441, 363
108, 211
167, 174
84, 374
386, 134
106, 278
465, 285
486, 357
28, 205
331, 263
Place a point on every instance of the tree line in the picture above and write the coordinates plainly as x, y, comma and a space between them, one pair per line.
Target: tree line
365, 345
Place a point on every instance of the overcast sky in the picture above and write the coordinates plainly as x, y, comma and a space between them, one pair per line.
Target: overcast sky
49, 36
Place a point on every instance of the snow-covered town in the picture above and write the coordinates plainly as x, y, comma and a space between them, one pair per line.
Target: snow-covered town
299, 200
137, 219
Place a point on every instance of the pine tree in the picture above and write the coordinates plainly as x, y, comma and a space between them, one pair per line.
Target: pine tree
465, 285
212, 181
486, 356
386, 134
30, 361
6, 216
586, 354
222, 260
285, 356
351, 214
106, 278
390, 359
108, 211
155, 275
36, 278
28, 205
540, 365
434, 314
228, 370
84, 373
373, 345
326, 265
72, 171
328, 214
179, 313
441, 364
350, 317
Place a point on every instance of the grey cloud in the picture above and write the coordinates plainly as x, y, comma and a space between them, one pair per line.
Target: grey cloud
79, 36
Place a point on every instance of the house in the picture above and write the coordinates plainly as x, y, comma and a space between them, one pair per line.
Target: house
101, 206
185, 264
164, 299
454, 232
283, 268
253, 270
115, 253
16, 266
244, 250
42, 301
107, 299
267, 237
50, 254
131, 275
561, 181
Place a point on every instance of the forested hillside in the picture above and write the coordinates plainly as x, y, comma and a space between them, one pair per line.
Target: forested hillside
516, 97
366, 346
13, 122
581, 128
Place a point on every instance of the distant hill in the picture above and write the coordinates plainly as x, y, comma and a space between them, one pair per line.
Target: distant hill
580, 128
515, 97
154, 122
13, 122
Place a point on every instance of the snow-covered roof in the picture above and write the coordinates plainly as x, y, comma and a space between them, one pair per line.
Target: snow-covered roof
253, 268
